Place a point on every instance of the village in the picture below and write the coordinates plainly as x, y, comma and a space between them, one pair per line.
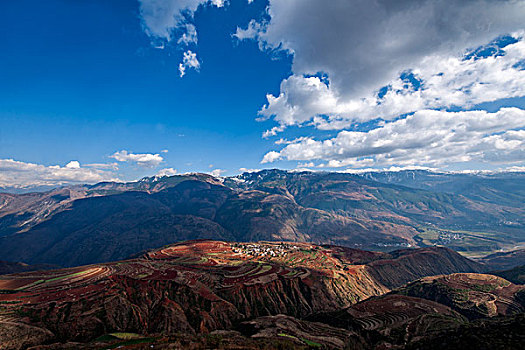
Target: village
269, 250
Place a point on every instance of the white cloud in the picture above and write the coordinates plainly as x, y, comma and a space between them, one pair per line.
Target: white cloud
273, 131
165, 20
251, 32
15, 173
273, 156
189, 36
217, 172
147, 160
514, 169
445, 82
426, 138
345, 52
362, 44
246, 170
161, 18
167, 172
218, 3
74, 164
189, 60
361, 61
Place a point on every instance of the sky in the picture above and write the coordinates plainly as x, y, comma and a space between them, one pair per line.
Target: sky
94, 90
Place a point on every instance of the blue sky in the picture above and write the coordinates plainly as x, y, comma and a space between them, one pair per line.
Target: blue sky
82, 80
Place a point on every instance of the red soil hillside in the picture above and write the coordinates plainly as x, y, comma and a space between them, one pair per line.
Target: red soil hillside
191, 287
473, 295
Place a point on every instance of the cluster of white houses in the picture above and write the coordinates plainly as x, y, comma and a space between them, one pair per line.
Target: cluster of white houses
264, 250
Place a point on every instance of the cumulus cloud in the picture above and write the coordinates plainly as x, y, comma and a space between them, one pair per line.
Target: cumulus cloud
217, 172
360, 61
74, 164
426, 138
146, 160
161, 17
363, 44
439, 82
15, 173
167, 172
189, 60
166, 20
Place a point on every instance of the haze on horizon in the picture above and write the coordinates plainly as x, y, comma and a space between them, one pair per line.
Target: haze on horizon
96, 91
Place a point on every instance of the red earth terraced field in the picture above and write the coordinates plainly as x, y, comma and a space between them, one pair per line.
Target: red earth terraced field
474, 295
197, 287
212, 270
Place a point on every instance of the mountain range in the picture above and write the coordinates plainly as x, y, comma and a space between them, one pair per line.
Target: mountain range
475, 214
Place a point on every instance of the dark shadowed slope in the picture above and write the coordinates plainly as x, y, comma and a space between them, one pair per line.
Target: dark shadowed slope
515, 275
504, 260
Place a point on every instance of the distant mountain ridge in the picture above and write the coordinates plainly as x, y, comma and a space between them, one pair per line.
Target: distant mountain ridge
108, 221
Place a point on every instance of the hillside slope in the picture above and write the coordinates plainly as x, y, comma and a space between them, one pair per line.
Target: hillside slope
193, 287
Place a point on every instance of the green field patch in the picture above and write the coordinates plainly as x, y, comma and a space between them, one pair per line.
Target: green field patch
53, 279
66, 276
190, 260
30, 285
311, 343
293, 273
131, 342
125, 336
264, 268
470, 243
287, 336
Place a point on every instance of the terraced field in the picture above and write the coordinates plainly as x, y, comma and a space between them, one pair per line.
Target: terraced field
474, 295
198, 287
227, 281
392, 311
